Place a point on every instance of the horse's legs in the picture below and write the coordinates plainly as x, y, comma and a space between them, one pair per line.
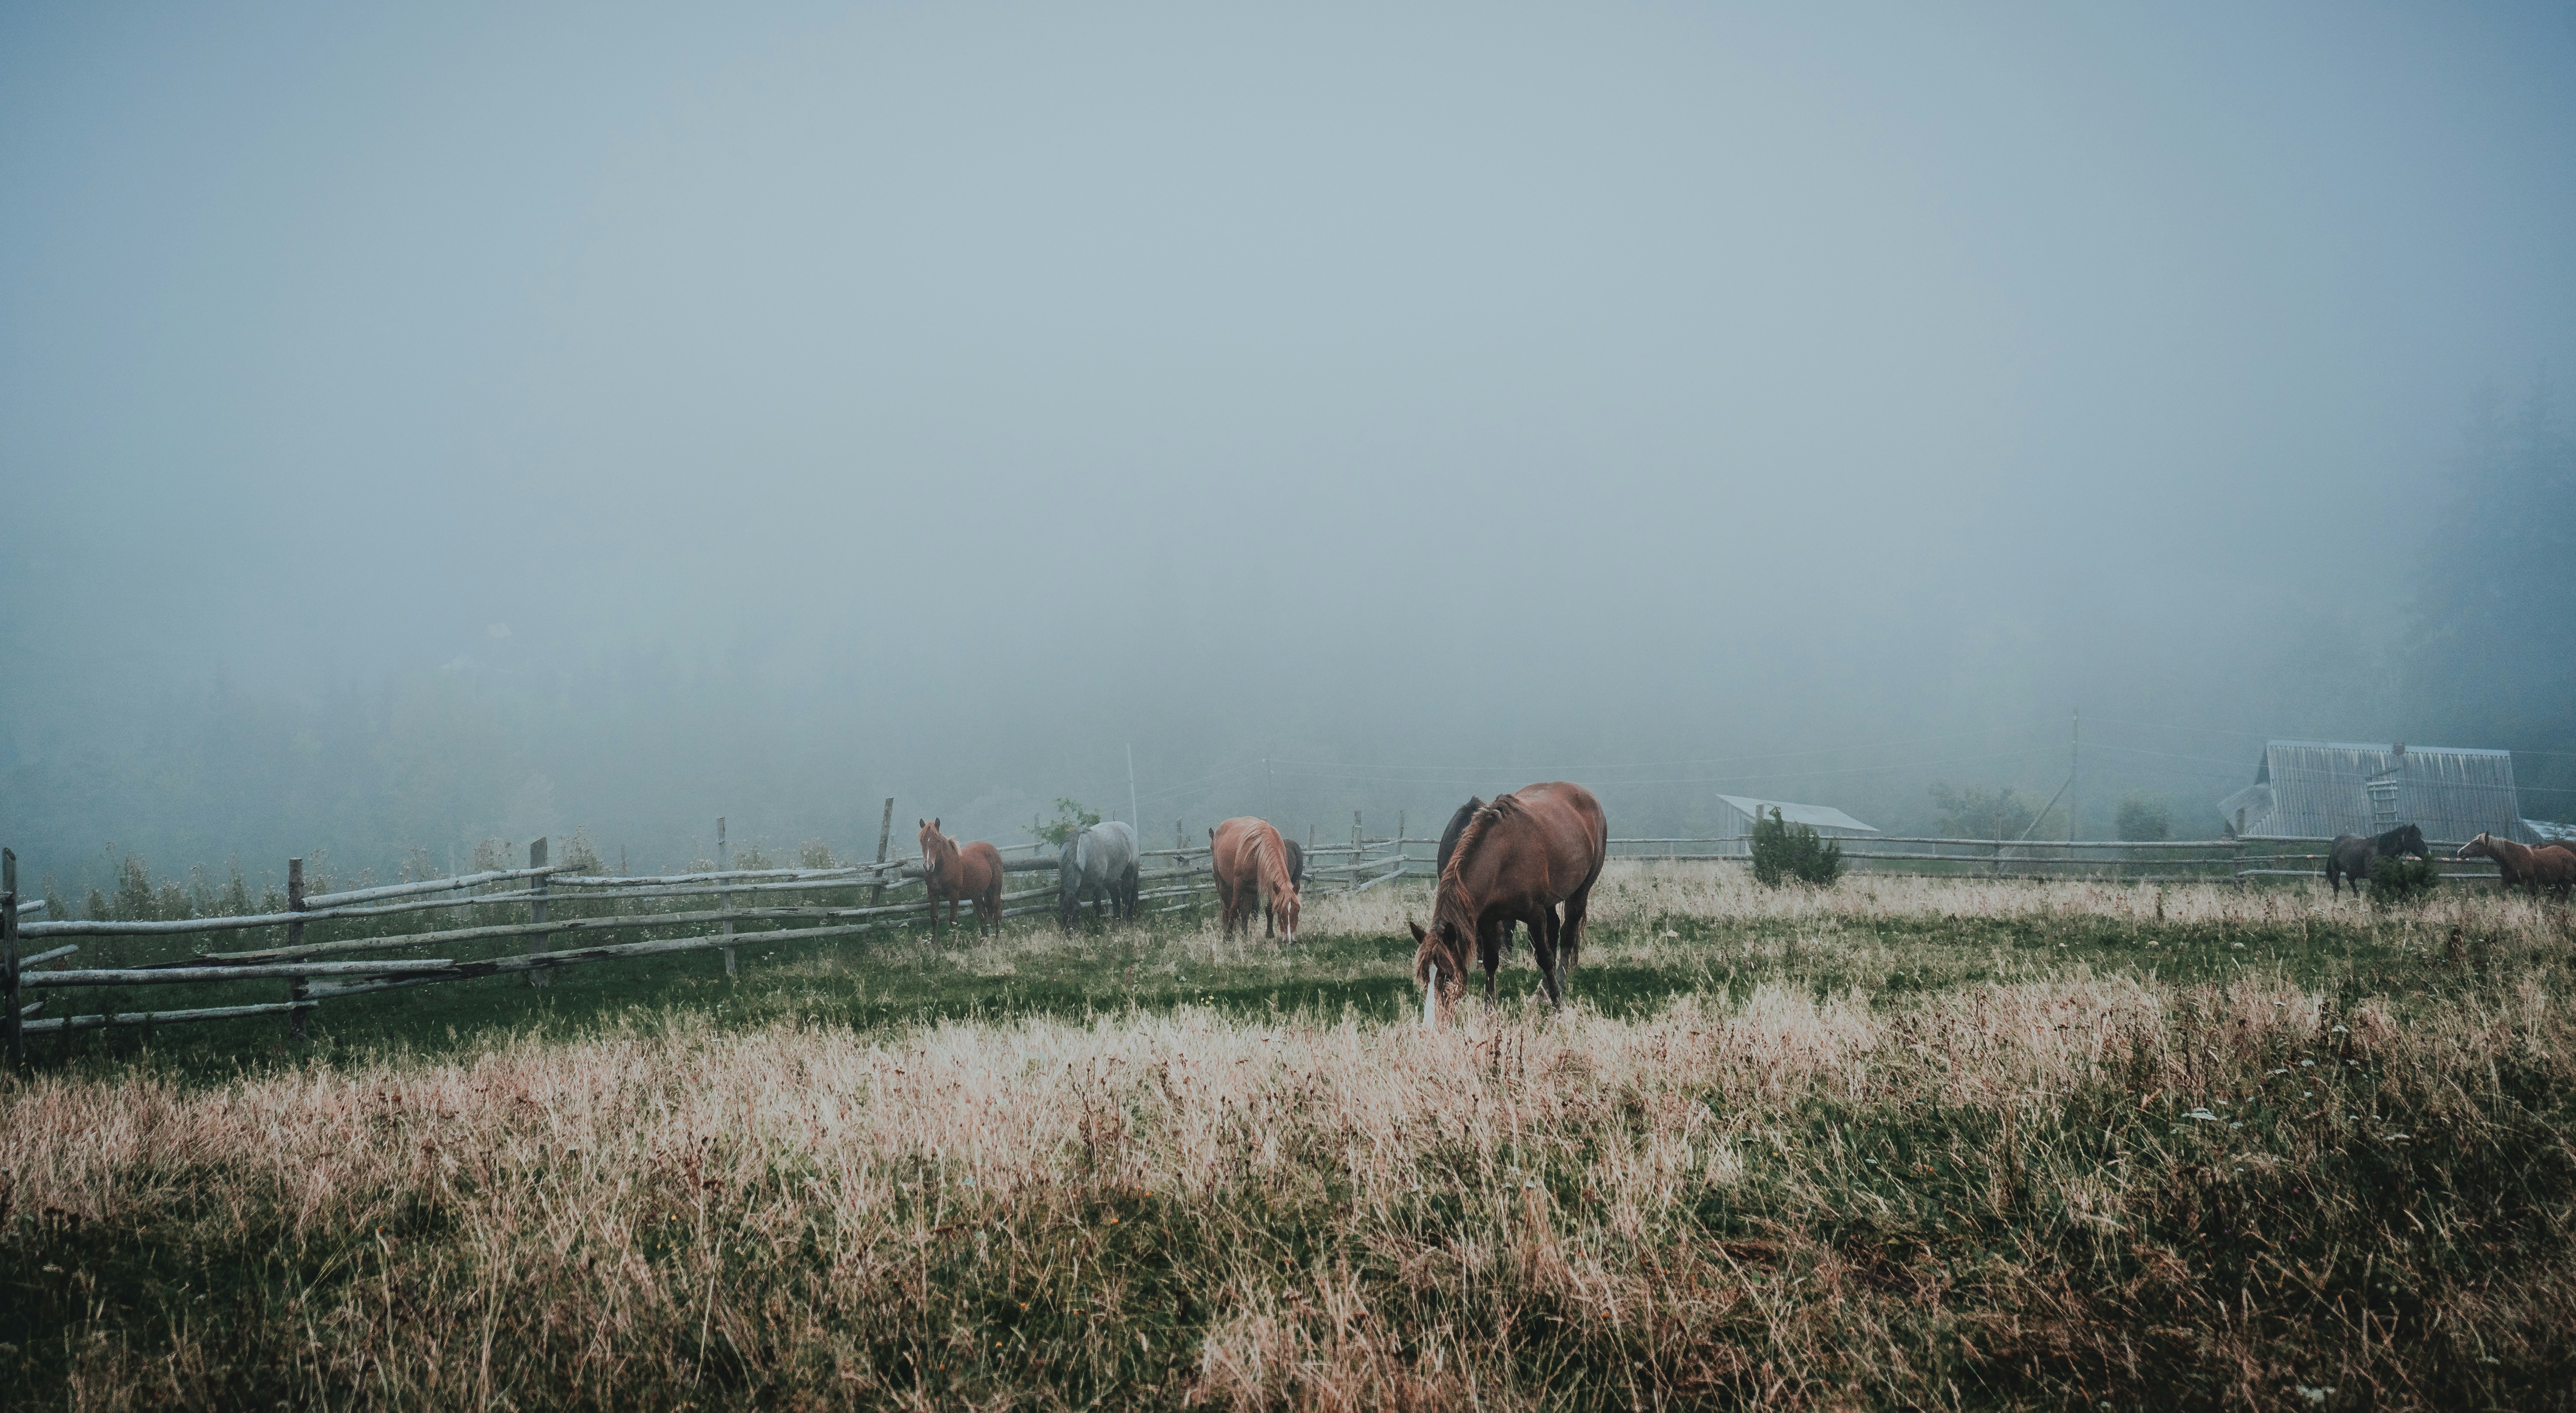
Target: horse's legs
1578, 904
1491, 940
1542, 930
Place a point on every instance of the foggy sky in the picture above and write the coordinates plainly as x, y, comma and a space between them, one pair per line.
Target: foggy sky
1443, 390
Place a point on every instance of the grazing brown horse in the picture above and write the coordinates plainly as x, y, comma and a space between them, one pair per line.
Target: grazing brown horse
2551, 866
1515, 860
951, 871
1251, 863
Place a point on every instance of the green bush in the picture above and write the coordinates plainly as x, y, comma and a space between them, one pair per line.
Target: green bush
2144, 817
1070, 819
2398, 881
1783, 852
1979, 813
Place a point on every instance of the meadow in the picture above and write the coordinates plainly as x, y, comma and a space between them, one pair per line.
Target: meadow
1901, 1143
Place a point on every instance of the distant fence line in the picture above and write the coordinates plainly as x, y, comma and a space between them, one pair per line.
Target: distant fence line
1176, 878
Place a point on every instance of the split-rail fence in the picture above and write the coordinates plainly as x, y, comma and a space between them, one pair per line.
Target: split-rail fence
537, 920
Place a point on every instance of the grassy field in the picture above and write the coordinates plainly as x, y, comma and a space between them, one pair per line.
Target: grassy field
1906, 1143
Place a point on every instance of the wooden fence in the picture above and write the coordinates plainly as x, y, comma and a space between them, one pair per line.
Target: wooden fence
2134, 861
520, 920
545, 917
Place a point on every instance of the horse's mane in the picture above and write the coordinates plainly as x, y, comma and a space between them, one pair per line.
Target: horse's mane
1450, 831
1277, 866
1450, 896
943, 851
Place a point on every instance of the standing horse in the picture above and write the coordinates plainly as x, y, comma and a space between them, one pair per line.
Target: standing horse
1101, 861
2552, 866
2351, 855
1514, 861
1296, 879
951, 871
1251, 863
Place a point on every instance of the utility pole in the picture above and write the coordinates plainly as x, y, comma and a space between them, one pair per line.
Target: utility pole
2074, 770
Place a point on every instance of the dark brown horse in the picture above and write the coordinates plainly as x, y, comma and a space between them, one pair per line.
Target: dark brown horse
1515, 861
1251, 864
2551, 866
2351, 855
951, 871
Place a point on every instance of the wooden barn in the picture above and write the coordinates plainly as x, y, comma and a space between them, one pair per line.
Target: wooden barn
2318, 789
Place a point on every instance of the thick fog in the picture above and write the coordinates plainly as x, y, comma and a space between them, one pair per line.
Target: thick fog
428, 426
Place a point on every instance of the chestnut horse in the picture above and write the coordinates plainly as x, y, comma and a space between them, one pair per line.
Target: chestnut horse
2551, 866
1515, 860
1251, 863
951, 871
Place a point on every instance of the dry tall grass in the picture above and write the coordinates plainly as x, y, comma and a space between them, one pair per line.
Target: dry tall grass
2071, 1188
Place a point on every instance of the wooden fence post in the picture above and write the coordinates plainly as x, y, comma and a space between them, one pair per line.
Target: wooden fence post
295, 990
885, 836
537, 945
1356, 839
9, 959
724, 864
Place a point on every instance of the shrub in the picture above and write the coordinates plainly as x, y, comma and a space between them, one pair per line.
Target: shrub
2143, 817
1783, 852
2399, 881
1978, 813
1070, 819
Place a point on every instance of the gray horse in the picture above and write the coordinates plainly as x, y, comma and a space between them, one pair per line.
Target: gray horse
1100, 861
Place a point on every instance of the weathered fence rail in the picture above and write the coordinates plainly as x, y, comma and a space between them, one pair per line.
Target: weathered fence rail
544, 906
559, 903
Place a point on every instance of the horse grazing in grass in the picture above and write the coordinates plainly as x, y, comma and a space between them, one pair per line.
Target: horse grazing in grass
1251, 863
2551, 866
1515, 860
1296, 880
951, 871
1101, 861
2351, 855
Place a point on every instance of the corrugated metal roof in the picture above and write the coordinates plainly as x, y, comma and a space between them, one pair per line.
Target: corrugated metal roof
2321, 788
1814, 816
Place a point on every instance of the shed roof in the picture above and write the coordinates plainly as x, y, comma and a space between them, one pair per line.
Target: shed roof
1816, 816
2313, 789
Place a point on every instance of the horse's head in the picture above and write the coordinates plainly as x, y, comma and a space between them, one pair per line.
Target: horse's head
2410, 840
1440, 964
2482, 847
935, 847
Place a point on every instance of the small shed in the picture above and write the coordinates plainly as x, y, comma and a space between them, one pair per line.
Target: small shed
1736, 813
2318, 789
